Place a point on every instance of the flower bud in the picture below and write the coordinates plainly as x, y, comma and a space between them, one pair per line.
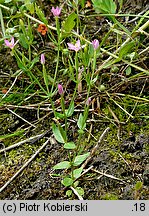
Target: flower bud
88, 102
42, 59
95, 44
60, 89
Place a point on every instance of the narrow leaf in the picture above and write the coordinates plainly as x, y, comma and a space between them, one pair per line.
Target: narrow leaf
59, 115
127, 48
41, 15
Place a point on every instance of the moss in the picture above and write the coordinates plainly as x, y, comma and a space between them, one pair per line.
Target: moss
109, 196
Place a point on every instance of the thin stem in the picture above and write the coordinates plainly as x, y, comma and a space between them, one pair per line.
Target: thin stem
76, 66
63, 109
56, 70
2, 23
29, 53
58, 52
52, 104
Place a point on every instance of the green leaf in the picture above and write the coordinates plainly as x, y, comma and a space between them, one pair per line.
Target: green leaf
82, 3
131, 56
76, 183
17, 133
77, 172
80, 158
62, 165
81, 123
138, 185
128, 71
69, 193
81, 132
20, 63
80, 191
26, 37
67, 182
127, 48
32, 76
59, 133
69, 23
59, 115
30, 36
29, 6
41, 15
69, 145
70, 110
104, 6
22, 26
35, 60
7, 1
22, 41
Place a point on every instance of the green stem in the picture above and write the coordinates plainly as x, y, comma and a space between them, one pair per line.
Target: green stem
58, 52
77, 19
56, 70
120, 25
29, 53
46, 81
76, 67
52, 104
65, 116
94, 63
2, 23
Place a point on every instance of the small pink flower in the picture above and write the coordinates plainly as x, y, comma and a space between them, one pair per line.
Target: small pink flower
95, 44
56, 11
42, 59
60, 89
11, 44
88, 101
75, 47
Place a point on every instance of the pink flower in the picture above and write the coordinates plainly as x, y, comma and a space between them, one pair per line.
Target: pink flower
56, 11
75, 47
95, 44
11, 44
60, 89
88, 101
42, 59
